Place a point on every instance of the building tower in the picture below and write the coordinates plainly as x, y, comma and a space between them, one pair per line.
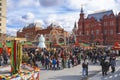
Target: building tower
2, 17
82, 19
75, 30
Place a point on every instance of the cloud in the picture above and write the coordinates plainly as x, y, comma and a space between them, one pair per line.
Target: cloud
11, 31
65, 20
61, 12
49, 3
39, 22
28, 3
93, 5
10, 5
75, 4
50, 19
14, 21
28, 16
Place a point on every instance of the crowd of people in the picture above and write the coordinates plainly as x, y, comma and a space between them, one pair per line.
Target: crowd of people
54, 59
4, 58
60, 58
105, 58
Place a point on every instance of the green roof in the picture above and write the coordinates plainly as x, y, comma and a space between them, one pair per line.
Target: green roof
8, 44
1, 45
61, 43
26, 42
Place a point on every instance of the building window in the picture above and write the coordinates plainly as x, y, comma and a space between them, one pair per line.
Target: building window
0, 4
112, 16
112, 23
0, 24
97, 32
87, 26
87, 33
92, 32
80, 33
105, 31
111, 32
26, 36
0, 9
80, 26
105, 23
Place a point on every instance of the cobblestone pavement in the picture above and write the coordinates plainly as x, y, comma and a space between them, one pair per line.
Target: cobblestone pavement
73, 73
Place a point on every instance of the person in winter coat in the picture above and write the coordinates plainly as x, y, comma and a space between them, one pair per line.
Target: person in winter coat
105, 66
58, 64
54, 62
47, 63
0, 60
69, 62
84, 68
112, 64
5, 57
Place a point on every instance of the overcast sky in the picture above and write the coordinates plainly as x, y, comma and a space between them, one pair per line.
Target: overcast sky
61, 12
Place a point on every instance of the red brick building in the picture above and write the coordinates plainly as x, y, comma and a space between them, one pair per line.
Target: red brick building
53, 33
99, 28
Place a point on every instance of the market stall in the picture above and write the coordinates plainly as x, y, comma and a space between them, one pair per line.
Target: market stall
18, 70
116, 48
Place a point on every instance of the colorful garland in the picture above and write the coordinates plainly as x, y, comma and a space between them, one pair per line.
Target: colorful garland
16, 59
24, 73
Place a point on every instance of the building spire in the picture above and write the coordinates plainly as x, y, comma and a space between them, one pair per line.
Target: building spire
82, 8
75, 25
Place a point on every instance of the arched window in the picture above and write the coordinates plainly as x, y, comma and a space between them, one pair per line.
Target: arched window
61, 40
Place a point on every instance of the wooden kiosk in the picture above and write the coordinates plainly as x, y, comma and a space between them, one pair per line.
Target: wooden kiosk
19, 70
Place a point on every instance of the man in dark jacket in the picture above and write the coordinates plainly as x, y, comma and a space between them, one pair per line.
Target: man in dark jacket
5, 57
105, 66
85, 68
113, 64
46, 63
